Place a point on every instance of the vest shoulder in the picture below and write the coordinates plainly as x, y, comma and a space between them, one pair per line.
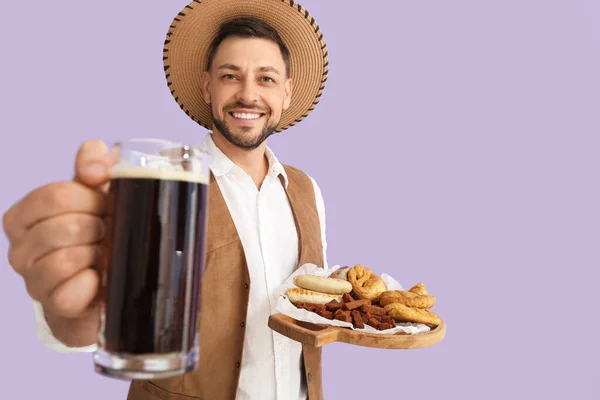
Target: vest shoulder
298, 177
296, 174
293, 170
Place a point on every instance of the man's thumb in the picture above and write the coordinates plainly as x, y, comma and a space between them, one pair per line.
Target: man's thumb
92, 163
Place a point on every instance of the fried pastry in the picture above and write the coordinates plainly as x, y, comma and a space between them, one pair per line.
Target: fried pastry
403, 313
419, 288
416, 297
365, 284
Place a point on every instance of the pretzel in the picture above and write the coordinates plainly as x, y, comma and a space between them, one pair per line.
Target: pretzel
366, 284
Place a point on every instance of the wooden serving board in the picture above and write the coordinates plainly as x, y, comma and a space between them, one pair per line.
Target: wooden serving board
318, 335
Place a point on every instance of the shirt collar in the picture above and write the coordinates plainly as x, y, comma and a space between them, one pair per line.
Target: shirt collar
221, 165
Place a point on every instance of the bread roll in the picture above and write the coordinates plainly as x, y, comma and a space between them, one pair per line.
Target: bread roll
308, 296
340, 273
322, 284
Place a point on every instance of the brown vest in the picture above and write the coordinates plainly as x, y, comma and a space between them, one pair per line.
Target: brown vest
225, 291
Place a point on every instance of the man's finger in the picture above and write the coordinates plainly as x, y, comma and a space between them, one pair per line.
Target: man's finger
53, 233
47, 273
74, 296
92, 163
51, 200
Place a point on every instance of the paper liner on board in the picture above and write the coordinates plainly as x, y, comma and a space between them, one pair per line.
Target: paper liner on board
285, 306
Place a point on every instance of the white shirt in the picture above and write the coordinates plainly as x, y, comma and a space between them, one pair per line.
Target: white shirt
271, 363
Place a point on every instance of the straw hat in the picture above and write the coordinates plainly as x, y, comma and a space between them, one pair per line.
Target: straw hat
192, 31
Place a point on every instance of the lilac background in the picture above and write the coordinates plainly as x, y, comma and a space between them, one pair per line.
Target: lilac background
456, 144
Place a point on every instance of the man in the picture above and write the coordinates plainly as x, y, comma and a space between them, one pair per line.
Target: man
247, 69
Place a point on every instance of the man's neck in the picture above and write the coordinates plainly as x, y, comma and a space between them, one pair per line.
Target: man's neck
253, 162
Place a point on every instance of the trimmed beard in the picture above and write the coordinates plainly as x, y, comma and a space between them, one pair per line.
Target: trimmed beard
239, 140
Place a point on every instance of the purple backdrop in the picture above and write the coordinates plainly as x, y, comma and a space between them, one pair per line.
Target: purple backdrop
456, 144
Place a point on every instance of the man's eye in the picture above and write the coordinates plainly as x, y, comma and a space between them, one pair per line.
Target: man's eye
267, 79
228, 76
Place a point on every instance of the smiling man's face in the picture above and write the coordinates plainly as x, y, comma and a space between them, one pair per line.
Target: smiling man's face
248, 89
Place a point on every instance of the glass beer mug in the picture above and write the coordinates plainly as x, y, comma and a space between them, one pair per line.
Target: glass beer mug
150, 292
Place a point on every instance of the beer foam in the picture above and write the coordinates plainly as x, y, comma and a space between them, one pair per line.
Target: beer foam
164, 171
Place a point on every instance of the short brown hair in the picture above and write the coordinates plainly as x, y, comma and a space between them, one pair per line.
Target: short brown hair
248, 27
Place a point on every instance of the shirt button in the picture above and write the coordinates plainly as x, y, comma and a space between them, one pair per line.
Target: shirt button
237, 365
242, 324
309, 376
246, 286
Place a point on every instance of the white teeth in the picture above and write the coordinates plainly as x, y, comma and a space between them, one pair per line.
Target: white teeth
246, 115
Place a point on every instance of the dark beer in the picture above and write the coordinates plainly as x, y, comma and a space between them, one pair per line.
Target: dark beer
156, 262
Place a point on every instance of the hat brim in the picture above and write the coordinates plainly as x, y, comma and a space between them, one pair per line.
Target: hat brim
193, 29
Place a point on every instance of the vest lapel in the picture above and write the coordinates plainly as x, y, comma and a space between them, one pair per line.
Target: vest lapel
301, 195
221, 228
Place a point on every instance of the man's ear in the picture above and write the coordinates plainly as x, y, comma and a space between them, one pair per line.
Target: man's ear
205, 87
287, 99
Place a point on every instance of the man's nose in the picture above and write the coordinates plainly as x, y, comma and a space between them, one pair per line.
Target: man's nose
248, 92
